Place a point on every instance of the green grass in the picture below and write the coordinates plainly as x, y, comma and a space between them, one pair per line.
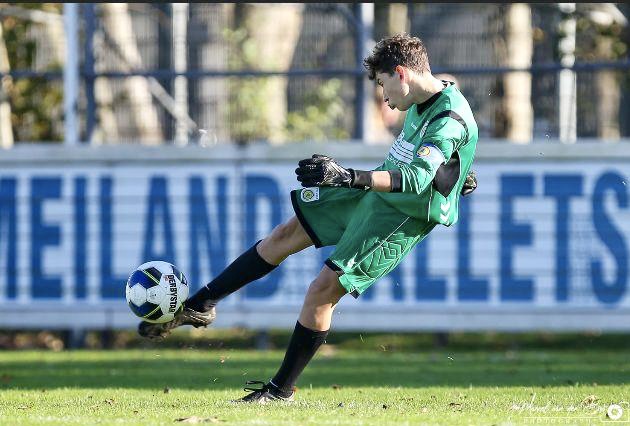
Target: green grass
156, 386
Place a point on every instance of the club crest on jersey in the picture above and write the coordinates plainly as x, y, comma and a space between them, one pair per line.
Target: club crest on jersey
309, 194
423, 151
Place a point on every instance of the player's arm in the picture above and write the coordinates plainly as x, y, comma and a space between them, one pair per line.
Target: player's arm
437, 146
441, 138
321, 170
393, 182
382, 181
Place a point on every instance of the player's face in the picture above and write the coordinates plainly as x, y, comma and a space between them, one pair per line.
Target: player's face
395, 90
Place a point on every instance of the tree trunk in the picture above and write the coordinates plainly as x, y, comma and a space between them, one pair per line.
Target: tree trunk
275, 50
517, 86
6, 127
56, 39
608, 93
118, 25
108, 126
383, 123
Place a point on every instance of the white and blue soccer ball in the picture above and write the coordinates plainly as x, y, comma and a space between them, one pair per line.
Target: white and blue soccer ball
156, 291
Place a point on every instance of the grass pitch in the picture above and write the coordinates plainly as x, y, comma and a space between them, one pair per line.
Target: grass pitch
371, 387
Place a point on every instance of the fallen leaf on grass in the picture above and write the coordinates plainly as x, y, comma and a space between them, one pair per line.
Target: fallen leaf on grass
335, 386
195, 419
167, 390
455, 406
589, 400
109, 401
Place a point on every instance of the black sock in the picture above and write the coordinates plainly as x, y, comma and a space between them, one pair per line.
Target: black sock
246, 268
302, 346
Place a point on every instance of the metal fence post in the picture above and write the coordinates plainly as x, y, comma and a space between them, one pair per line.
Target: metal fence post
180, 65
71, 74
89, 18
567, 80
364, 18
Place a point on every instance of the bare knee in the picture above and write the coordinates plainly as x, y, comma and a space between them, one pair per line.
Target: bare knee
325, 289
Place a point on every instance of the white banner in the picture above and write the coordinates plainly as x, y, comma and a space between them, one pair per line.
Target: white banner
540, 245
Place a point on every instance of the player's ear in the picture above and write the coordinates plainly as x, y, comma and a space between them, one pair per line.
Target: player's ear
402, 73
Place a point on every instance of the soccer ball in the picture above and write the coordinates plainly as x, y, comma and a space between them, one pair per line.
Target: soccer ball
156, 291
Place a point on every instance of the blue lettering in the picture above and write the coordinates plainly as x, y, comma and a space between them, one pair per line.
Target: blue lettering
609, 292
8, 229
468, 287
512, 235
562, 188
427, 287
112, 286
42, 235
80, 238
158, 209
200, 227
258, 187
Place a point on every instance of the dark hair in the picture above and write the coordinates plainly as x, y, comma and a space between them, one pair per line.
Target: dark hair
400, 49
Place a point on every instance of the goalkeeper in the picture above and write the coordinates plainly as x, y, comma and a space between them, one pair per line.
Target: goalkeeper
373, 218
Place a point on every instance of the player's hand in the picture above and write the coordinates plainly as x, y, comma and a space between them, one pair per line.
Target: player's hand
321, 170
470, 184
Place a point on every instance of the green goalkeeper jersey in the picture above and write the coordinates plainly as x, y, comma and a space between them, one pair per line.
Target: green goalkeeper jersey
433, 152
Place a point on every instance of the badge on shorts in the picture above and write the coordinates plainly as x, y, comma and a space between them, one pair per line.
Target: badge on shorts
310, 194
423, 151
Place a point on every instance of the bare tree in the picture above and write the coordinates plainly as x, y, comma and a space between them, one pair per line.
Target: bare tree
517, 86
6, 127
274, 30
606, 21
108, 127
117, 23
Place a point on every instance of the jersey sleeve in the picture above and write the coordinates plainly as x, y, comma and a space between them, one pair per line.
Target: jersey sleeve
436, 147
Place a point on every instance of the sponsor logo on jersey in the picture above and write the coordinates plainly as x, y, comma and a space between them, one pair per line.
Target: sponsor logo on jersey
309, 194
423, 151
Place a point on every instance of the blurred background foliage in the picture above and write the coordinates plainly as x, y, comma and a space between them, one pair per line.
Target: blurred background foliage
230, 37
36, 103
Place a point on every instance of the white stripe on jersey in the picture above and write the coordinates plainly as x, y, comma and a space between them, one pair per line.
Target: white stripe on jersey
399, 157
406, 145
402, 154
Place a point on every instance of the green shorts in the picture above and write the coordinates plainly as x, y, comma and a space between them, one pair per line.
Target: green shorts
371, 236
